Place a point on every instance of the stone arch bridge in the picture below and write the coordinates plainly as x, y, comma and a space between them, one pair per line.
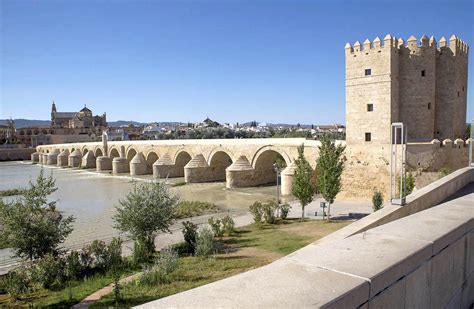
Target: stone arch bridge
238, 162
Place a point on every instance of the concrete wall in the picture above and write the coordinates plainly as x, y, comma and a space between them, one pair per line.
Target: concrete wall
425, 260
16, 154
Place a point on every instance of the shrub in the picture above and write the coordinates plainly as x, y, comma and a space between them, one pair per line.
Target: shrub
160, 272
216, 226
377, 200
49, 271
190, 233
74, 267
410, 183
228, 225
444, 171
269, 209
98, 250
141, 253
205, 242
284, 210
114, 253
257, 212
18, 282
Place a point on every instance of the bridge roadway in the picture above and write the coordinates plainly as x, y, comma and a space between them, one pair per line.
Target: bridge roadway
240, 162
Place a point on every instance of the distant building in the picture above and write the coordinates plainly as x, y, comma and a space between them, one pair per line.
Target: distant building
81, 119
7, 132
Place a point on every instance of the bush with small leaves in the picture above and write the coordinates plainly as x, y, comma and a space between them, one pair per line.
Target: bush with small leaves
257, 212
18, 282
269, 209
73, 266
284, 210
190, 233
228, 225
49, 271
205, 242
216, 226
410, 183
99, 253
160, 272
377, 200
141, 253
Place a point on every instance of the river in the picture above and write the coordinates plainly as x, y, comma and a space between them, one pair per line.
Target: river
91, 197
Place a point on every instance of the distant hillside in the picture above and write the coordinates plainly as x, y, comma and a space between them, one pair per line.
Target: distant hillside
24, 123
120, 123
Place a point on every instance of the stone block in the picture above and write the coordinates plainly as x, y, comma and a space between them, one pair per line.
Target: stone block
75, 158
418, 286
138, 165
392, 297
63, 158
35, 157
89, 160
381, 259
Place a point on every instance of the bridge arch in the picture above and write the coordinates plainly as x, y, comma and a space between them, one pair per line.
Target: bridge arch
84, 150
181, 158
114, 153
263, 163
131, 152
219, 161
151, 158
98, 152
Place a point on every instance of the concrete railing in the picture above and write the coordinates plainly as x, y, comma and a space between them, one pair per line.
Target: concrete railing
425, 260
424, 198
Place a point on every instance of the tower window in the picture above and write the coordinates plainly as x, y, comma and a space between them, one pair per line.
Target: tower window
429, 105
368, 72
370, 107
423, 73
368, 137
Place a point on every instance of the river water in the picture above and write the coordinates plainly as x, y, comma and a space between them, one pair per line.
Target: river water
91, 197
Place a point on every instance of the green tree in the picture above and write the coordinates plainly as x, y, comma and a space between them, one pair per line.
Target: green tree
377, 200
147, 209
467, 133
31, 225
303, 187
329, 167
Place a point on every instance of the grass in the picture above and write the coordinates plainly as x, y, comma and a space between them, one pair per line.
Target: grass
64, 298
248, 248
187, 209
178, 184
12, 192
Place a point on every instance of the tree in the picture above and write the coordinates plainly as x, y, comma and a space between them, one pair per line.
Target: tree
147, 209
303, 187
31, 225
377, 200
329, 167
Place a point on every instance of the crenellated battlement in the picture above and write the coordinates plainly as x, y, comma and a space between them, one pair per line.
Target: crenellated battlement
455, 44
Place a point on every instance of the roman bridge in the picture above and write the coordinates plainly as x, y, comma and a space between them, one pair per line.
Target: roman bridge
238, 162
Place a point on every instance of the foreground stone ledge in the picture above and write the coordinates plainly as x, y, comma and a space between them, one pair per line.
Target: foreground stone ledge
268, 287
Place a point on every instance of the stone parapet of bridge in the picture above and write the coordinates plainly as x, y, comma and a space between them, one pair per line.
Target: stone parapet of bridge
238, 162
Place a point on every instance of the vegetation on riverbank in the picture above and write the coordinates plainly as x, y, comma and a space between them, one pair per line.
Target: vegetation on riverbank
187, 209
11, 192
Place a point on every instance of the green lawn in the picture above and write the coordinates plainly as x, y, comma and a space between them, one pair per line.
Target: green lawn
248, 248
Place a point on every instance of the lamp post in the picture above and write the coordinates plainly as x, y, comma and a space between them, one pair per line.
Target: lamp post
277, 171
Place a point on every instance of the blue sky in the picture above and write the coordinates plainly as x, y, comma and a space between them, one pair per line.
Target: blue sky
234, 61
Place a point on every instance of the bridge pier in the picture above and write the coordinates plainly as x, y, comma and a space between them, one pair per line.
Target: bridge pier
43, 158
164, 167
35, 157
287, 177
120, 165
197, 170
138, 165
63, 158
239, 174
75, 158
88, 160
103, 163
53, 157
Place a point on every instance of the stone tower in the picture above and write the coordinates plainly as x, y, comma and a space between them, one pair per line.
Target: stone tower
418, 83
